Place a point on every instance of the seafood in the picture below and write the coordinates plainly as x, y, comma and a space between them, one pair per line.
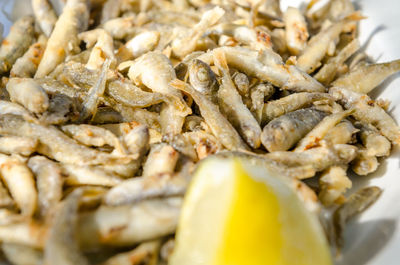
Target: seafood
62, 245
220, 126
64, 40
150, 186
128, 224
328, 72
364, 78
26, 65
143, 71
102, 46
318, 45
203, 79
186, 44
161, 159
20, 182
258, 95
355, 204
108, 106
45, 15
333, 183
49, 183
131, 95
56, 145
365, 110
96, 91
16, 43
375, 143
275, 108
320, 130
28, 93
139, 45
18, 145
319, 158
232, 106
93, 136
296, 30
284, 132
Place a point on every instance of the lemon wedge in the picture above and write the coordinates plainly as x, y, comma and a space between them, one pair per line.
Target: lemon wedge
236, 213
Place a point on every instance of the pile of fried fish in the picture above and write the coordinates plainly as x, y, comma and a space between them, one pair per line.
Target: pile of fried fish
108, 105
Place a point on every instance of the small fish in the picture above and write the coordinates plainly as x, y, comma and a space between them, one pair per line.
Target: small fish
242, 83
284, 132
328, 72
267, 66
62, 109
139, 45
364, 163
127, 93
141, 188
45, 16
62, 243
20, 182
313, 137
26, 65
203, 79
110, 10
318, 45
18, 145
28, 93
364, 78
249, 36
367, 111
91, 135
219, 125
231, 105
7, 107
186, 44
374, 143
49, 183
102, 45
88, 175
27, 233
296, 30
128, 224
275, 108
64, 40
157, 64
258, 95
333, 183
56, 145
16, 43
120, 27
355, 204
161, 159
90, 104
342, 133
319, 158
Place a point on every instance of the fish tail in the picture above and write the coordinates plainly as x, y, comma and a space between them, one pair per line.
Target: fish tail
220, 60
355, 16
180, 85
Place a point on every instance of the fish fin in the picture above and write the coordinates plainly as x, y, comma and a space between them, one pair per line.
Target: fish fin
220, 60
355, 16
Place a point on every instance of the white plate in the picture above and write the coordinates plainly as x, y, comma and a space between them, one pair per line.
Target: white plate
374, 238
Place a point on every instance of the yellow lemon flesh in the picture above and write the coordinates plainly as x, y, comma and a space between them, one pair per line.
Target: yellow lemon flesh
236, 213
